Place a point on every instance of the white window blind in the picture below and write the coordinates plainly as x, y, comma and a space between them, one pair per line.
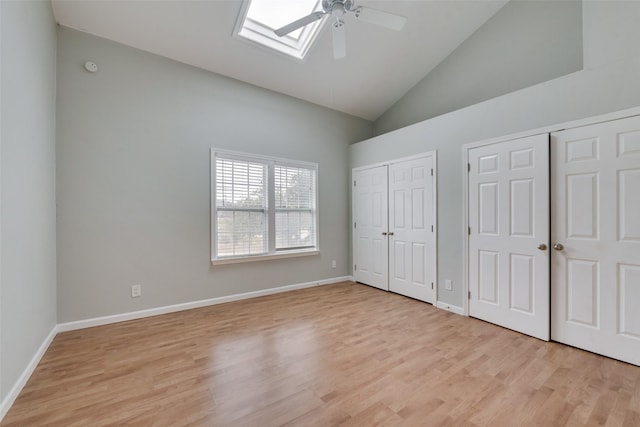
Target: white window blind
295, 207
262, 207
241, 208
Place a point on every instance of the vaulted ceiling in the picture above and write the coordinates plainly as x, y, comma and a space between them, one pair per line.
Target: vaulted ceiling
380, 67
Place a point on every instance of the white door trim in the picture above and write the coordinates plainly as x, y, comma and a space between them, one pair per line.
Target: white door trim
434, 243
398, 160
631, 112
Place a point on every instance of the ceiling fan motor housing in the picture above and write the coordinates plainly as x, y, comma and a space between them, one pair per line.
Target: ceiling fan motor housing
337, 7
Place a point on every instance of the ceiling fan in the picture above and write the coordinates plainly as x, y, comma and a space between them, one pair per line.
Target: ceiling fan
337, 9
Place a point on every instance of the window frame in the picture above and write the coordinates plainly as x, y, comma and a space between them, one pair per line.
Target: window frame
261, 35
270, 208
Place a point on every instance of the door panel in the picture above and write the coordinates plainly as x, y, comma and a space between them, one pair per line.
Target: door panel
629, 288
488, 276
583, 292
370, 222
596, 218
509, 219
629, 205
411, 234
488, 209
521, 283
521, 208
582, 205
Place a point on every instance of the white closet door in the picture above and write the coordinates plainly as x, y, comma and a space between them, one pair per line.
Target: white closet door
370, 227
596, 229
509, 224
411, 233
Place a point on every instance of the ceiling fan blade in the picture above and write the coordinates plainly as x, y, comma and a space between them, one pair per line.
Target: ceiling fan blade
299, 23
339, 40
378, 17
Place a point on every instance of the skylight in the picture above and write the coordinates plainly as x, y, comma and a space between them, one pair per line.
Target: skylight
259, 18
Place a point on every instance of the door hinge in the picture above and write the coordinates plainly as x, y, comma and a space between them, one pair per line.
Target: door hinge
431, 171
468, 167
469, 295
469, 230
432, 228
354, 224
431, 285
354, 182
355, 267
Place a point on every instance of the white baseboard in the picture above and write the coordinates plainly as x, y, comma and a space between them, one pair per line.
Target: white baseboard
450, 307
105, 320
26, 374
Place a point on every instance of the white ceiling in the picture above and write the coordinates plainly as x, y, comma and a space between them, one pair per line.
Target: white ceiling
380, 67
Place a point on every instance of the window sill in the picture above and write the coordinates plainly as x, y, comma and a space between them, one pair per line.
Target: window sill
290, 254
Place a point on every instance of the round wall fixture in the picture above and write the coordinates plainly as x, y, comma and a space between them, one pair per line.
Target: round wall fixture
91, 67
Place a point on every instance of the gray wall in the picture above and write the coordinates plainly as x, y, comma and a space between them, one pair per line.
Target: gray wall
525, 43
133, 178
608, 83
27, 191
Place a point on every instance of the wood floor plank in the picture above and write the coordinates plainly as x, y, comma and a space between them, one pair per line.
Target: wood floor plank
343, 354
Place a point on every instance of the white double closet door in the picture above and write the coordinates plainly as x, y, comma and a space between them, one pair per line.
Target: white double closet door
394, 227
576, 279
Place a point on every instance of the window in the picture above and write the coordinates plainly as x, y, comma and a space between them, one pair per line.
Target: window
295, 207
261, 207
241, 208
259, 19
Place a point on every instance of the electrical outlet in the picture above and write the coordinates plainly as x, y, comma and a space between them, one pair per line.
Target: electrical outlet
333, 263
448, 285
136, 291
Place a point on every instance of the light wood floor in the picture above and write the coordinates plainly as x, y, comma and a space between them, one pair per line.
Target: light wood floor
339, 354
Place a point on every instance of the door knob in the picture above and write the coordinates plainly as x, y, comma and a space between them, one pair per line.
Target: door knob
558, 246
391, 233
542, 247
384, 233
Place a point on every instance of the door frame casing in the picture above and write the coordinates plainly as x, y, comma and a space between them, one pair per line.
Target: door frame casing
466, 148
434, 241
